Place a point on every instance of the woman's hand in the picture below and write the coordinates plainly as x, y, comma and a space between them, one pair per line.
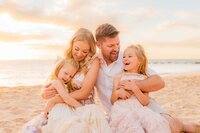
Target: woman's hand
48, 91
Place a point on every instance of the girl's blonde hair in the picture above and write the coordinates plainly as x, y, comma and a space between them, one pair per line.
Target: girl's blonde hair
82, 35
140, 53
60, 64
58, 67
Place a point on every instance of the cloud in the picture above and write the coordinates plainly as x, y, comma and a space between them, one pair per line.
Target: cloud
15, 37
186, 15
76, 13
177, 25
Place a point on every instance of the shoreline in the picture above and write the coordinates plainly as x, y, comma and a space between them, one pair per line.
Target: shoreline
180, 97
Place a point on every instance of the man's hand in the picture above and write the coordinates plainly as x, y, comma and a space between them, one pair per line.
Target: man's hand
121, 93
48, 91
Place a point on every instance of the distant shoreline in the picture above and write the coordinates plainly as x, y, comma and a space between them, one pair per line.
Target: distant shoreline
174, 61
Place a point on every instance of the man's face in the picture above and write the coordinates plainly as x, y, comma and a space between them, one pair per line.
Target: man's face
110, 49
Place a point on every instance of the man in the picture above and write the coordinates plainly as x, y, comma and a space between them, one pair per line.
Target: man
107, 40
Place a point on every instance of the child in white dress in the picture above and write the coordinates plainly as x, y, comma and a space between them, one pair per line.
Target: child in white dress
129, 113
60, 80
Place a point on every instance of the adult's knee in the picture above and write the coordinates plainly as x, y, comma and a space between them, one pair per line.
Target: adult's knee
175, 124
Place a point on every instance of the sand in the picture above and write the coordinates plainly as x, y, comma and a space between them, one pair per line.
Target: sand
180, 97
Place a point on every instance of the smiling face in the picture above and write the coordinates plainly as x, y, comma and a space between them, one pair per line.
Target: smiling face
80, 50
66, 73
110, 49
130, 60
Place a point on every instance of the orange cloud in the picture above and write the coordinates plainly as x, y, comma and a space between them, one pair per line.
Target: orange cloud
176, 25
13, 37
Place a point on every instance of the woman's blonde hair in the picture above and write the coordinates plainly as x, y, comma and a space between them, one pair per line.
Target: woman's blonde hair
82, 35
140, 53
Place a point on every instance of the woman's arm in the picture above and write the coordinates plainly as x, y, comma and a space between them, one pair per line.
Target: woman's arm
64, 94
88, 82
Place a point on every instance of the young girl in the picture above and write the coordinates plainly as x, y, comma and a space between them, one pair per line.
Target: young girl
60, 80
129, 112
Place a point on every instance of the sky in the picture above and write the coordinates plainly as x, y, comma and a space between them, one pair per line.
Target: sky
40, 29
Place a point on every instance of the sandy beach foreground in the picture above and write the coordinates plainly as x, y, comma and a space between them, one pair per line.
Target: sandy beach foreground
180, 97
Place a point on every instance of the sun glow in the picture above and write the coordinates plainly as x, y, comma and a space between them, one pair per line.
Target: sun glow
16, 52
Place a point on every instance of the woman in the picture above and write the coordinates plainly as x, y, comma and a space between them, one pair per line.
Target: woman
88, 118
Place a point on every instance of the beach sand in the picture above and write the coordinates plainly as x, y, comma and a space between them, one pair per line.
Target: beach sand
180, 97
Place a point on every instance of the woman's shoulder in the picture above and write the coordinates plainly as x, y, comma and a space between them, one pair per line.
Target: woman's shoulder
94, 62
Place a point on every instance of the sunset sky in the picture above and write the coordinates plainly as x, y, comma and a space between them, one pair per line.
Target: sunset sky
40, 29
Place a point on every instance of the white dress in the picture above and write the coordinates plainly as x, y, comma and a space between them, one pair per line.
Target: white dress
65, 119
130, 116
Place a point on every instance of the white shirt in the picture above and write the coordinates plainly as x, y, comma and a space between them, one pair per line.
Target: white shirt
105, 79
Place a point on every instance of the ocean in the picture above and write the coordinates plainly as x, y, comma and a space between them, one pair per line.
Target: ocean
36, 72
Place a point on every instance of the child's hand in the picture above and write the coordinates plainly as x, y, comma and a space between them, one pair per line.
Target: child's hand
123, 94
128, 85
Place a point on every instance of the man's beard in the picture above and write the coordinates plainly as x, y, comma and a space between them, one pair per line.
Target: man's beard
113, 57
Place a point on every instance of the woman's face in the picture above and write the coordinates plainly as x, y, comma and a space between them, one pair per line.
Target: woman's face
80, 50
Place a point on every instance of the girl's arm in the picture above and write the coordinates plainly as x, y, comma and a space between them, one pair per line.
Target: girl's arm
52, 102
143, 98
88, 82
64, 94
132, 86
118, 92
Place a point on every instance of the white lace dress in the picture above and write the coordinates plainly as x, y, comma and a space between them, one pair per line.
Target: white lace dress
130, 116
65, 119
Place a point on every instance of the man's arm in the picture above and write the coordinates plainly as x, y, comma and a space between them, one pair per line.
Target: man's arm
152, 83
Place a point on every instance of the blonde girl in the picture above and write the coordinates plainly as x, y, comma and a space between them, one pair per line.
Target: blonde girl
60, 80
129, 112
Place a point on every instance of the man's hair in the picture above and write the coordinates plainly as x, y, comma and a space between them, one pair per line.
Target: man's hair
105, 30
